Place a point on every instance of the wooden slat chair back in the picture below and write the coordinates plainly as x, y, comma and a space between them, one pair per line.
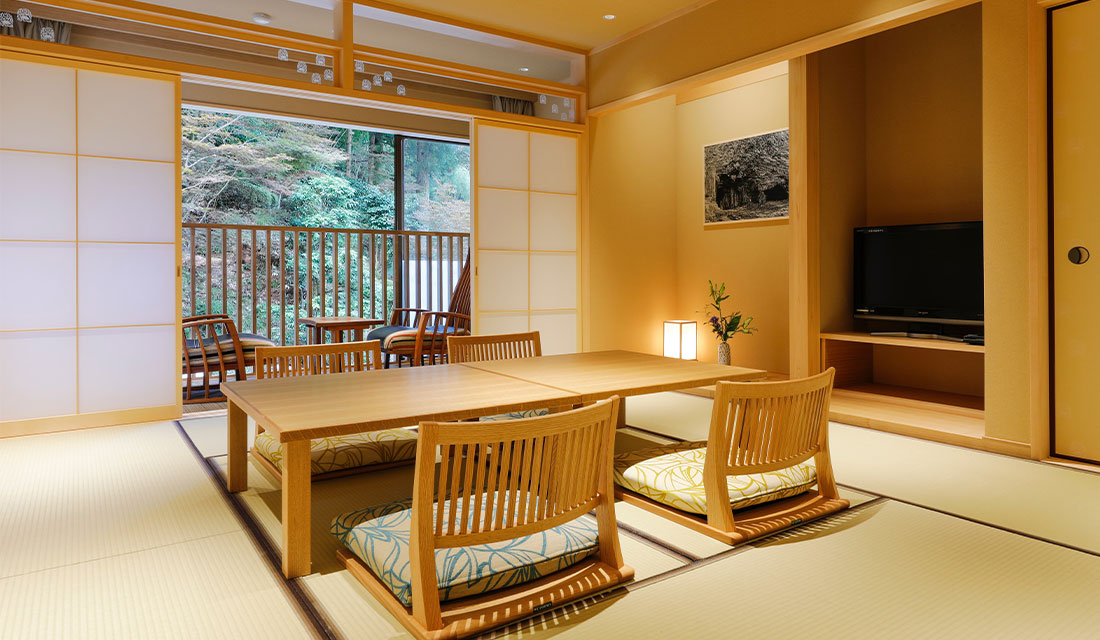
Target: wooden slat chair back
759, 427
460, 297
432, 333
343, 357
216, 365
503, 346
500, 481
321, 359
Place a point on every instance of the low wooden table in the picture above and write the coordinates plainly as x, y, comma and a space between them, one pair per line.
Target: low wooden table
336, 325
298, 410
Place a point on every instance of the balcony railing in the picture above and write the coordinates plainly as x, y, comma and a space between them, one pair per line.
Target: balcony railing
266, 278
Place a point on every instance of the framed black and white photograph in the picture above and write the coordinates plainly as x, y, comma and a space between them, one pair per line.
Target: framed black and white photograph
747, 178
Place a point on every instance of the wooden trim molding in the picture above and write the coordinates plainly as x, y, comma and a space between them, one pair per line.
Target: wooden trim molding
35, 426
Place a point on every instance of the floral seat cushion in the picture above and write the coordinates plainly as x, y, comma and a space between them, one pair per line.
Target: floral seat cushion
516, 415
379, 536
673, 475
346, 452
223, 346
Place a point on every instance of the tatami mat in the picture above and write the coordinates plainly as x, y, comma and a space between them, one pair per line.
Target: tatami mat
214, 587
899, 572
90, 494
1044, 500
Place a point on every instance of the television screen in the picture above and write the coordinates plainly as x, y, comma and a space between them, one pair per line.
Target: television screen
926, 272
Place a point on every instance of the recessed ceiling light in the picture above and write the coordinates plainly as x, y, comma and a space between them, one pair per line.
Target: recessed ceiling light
524, 69
609, 16
261, 18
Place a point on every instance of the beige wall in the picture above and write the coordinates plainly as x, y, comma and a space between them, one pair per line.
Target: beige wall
924, 114
717, 34
651, 257
632, 228
752, 261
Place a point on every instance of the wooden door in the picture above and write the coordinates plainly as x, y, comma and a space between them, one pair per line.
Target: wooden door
1075, 159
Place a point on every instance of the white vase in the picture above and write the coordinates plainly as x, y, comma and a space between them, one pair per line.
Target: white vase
724, 353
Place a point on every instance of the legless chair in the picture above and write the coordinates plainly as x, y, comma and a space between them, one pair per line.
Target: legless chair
339, 455
480, 545
749, 478
502, 346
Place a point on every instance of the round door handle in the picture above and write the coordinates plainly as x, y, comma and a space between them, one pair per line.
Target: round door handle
1078, 255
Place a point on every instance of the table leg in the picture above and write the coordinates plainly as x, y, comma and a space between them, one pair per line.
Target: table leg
622, 413
296, 509
237, 449
337, 335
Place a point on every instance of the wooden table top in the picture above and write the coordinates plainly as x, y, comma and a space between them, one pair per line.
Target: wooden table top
600, 374
311, 407
332, 322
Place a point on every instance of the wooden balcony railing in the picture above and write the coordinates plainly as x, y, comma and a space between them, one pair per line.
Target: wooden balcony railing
266, 278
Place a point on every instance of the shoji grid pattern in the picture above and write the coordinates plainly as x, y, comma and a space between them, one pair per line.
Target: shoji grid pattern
89, 201
526, 228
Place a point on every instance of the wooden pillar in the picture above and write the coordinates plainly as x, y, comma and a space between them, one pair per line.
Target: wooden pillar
804, 263
343, 29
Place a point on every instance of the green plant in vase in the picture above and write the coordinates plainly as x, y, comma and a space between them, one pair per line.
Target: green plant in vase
725, 325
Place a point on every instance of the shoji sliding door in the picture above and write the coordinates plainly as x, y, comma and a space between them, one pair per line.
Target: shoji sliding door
89, 201
525, 231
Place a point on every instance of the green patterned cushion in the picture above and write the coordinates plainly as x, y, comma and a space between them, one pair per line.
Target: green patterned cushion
673, 475
516, 415
346, 452
379, 536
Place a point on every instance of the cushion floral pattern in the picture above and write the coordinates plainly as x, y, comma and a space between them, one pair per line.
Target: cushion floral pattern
516, 415
379, 536
346, 452
673, 475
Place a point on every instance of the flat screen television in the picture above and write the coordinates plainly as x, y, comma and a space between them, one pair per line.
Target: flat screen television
920, 273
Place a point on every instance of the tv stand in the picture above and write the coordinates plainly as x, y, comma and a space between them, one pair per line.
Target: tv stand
916, 334
861, 395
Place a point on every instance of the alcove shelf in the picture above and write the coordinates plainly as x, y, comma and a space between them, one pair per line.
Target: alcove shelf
866, 398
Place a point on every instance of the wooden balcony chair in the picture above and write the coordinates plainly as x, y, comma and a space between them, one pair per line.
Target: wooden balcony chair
503, 346
751, 477
481, 545
400, 337
212, 348
338, 455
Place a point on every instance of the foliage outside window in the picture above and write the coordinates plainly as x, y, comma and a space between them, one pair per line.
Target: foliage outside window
247, 170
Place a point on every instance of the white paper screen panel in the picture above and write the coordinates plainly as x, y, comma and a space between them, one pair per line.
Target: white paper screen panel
37, 196
502, 158
124, 116
553, 280
127, 200
526, 234
492, 323
37, 374
503, 284
553, 222
37, 107
557, 329
114, 293
553, 163
124, 368
503, 219
37, 285
88, 240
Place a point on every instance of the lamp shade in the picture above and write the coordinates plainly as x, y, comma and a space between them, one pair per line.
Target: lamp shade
680, 339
